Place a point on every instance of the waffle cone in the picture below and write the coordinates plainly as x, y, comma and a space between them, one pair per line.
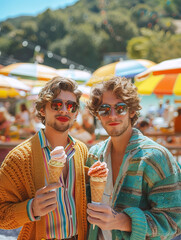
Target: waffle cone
54, 173
97, 190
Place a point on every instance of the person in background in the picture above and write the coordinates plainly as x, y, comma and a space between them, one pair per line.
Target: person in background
5, 124
142, 195
143, 125
88, 124
177, 121
47, 211
24, 116
168, 113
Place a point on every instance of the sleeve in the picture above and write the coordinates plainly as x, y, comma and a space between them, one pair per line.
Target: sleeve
30, 212
162, 218
13, 194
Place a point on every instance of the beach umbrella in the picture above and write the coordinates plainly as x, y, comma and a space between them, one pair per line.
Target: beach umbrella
81, 77
11, 87
127, 68
161, 79
32, 71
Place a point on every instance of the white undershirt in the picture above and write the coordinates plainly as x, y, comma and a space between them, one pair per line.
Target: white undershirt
107, 199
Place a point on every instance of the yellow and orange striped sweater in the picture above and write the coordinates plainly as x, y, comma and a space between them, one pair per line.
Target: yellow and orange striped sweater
21, 175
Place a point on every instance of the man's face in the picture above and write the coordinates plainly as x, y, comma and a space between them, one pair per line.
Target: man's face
114, 123
60, 118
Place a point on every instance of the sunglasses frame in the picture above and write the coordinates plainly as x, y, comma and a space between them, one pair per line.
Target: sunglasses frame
69, 109
107, 113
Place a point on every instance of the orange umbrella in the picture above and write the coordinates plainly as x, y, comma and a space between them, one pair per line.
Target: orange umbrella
161, 79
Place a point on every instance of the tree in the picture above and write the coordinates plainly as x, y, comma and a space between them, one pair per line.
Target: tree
155, 45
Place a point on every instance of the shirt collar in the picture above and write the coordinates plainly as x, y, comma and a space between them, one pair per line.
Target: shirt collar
136, 138
44, 141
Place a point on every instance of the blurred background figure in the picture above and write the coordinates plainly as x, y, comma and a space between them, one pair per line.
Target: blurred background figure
5, 124
168, 113
177, 121
83, 129
143, 125
24, 116
160, 110
88, 123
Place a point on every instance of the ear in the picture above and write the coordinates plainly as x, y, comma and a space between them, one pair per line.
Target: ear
132, 114
42, 112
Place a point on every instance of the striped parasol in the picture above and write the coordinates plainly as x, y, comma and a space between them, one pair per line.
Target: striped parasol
11, 87
32, 71
127, 68
161, 79
81, 77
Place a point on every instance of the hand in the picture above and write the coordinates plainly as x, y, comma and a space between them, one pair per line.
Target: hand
45, 200
107, 219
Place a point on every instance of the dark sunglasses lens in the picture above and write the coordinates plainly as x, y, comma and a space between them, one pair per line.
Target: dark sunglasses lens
72, 106
104, 110
56, 105
121, 108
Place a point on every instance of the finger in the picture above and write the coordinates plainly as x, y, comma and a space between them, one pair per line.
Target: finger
42, 198
48, 209
95, 221
50, 201
98, 215
48, 188
98, 207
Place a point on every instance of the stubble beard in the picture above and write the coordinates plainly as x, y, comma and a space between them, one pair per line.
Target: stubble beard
59, 128
117, 132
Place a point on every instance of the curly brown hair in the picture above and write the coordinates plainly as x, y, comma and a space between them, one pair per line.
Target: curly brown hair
52, 89
122, 88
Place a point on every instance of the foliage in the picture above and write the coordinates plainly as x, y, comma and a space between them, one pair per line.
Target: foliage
87, 30
155, 45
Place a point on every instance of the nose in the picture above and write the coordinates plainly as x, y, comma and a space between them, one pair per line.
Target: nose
113, 113
64, 108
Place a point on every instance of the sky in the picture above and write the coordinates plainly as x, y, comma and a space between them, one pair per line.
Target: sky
15, 8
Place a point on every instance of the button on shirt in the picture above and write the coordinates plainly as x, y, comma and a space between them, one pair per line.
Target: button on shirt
61, 223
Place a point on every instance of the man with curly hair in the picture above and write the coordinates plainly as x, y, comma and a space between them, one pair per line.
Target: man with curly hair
47, 211
142, 197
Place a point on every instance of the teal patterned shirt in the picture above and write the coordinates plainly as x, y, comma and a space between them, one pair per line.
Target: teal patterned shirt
148, 189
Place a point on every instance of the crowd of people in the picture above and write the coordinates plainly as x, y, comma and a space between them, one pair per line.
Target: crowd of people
141, 199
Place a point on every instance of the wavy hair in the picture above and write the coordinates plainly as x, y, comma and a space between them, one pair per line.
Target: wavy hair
122, 88
52, 89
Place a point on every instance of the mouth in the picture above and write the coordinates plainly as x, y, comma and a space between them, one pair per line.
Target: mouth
113, 123
62, 119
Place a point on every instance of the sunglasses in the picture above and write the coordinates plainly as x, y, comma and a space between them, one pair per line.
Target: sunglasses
105, 109
57, 105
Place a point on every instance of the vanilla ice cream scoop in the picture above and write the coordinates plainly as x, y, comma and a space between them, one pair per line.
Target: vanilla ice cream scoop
58, 156
56, 164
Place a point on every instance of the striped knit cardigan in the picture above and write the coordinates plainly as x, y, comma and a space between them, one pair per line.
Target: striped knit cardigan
148, 189
21, 175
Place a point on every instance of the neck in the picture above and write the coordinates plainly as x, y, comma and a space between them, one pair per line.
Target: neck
56, 138
120, 143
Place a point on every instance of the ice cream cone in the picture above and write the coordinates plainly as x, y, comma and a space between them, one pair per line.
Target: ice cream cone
97, 190
54, 173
